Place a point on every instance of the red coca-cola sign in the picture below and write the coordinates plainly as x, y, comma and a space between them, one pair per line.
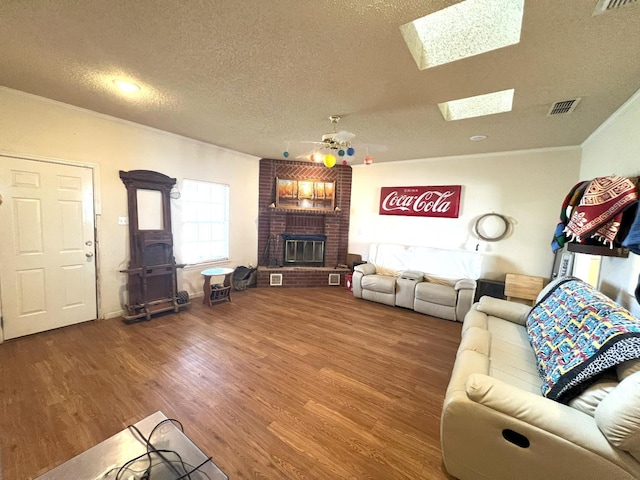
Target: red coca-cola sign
440, 201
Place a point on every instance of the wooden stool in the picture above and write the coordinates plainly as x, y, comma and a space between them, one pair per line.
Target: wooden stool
525, 287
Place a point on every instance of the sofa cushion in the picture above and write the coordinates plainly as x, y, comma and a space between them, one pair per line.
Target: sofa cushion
512, 359
618, 415
476, 339
474, 319
591, 396
436, 293
439, 280
446, 312
514, 312
379, 283
627, 368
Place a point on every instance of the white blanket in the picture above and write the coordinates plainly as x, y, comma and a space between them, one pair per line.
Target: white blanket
453, 264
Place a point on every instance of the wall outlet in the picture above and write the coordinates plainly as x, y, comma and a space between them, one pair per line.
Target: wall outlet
123, 220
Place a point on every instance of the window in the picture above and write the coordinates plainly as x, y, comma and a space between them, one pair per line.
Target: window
205, 228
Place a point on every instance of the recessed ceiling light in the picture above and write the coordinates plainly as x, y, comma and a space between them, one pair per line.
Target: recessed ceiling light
462, 30
125, 86
478, 106
477, 138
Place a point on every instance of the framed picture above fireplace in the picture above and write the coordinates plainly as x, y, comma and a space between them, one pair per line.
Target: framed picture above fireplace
305, 194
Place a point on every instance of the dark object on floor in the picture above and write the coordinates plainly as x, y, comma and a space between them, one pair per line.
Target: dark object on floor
244, 277
182, 297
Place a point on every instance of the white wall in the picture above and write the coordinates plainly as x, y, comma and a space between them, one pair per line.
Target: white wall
615, 149
526, 186
34, 127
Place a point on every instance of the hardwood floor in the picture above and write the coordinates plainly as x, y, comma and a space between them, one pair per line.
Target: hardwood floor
279, 383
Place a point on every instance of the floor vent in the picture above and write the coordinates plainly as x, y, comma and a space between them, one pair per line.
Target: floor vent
275, 280
604, 6
334, 279
564, 107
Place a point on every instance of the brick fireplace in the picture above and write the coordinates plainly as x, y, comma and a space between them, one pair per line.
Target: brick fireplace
274, 221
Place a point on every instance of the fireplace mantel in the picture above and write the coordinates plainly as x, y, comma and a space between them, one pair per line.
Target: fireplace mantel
301, 211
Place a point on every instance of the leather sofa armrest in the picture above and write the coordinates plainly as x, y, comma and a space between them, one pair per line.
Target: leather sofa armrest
511, 311
540, 412
465, 283
366, 268
466, 289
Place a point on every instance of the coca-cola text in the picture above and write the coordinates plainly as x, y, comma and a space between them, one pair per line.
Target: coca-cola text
421, 201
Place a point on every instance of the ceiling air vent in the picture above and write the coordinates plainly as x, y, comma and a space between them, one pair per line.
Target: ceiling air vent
563, 107
604, 6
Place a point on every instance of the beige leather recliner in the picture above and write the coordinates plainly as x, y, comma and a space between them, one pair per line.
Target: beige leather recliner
450, 300
370, 285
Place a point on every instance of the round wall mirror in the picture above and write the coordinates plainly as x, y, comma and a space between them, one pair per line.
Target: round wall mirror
491, 227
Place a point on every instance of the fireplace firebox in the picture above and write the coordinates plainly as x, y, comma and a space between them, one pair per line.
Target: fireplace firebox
303, 250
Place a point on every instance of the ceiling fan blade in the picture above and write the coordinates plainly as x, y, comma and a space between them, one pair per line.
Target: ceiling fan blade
373, 147
344, 136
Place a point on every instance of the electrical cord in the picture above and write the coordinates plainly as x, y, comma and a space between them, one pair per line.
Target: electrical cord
147, 470
195, 469
152, 449
181, 468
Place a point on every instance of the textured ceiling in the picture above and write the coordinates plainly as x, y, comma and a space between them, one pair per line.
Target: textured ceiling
252, 75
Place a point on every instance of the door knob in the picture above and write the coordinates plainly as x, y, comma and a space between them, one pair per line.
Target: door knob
89, 254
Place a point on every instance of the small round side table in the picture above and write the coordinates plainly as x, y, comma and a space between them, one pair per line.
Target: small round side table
216, 293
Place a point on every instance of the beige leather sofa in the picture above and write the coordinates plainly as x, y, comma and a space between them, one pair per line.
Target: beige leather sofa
443, 298
433, 281
497, 425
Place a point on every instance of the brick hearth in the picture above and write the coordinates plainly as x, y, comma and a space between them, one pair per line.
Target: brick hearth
301, 277
272, 222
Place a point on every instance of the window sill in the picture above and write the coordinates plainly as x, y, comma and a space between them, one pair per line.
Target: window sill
207, 264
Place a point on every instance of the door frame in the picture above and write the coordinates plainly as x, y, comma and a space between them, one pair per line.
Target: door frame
97, 213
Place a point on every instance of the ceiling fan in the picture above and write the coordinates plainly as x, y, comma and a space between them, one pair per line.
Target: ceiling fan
337, 140
335, 143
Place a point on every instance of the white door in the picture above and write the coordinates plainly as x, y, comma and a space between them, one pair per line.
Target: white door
47, 251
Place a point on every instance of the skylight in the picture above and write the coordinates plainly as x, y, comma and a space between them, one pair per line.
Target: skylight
478, 106
463, 30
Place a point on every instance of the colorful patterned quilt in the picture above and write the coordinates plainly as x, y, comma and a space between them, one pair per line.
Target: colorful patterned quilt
577, 333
